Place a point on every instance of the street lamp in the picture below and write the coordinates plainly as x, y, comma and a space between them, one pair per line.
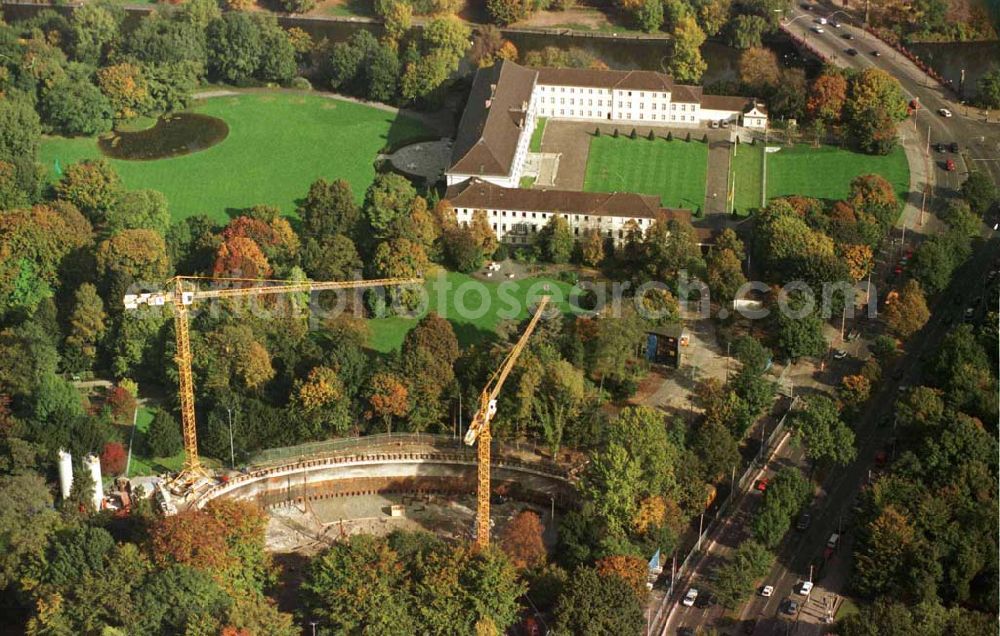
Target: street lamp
232, 450
313, 624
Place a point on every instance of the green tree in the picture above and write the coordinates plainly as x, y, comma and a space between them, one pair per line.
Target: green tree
613, 484
734, 580
686, 64
556, 240
94, 31
504, 12
801, 336
979, 192
333, 257
829, 441
20, 130
649, 15
235, 46
875, 104
717, 449
595, 605
354, 587
179, 600
933, 264
27, 519
725, 274
988, 89
76, 107
329, 209
388, 199
86, 328
163, 439
746, 31
139, 209
91, 185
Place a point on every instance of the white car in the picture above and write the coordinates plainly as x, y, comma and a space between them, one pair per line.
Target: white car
944, 112
839, 354
767, 591
806, 587
820, 20
818, 29
690, 597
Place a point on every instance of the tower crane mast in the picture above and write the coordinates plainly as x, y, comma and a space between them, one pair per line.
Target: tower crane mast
480, 426
181, 292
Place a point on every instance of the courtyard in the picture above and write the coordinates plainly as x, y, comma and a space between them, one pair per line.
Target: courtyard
279, 142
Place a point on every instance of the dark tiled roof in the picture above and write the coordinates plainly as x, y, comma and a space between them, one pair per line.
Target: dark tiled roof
490, 126
481, 195
685, 94
635, 80
724, 102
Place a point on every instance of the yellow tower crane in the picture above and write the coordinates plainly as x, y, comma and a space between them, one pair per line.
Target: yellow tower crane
480, 427
181, 292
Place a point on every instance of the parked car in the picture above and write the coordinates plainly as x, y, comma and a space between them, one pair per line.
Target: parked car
940, 147
690, 598
949, 165
839, 354
803, 523
724, 123
818, 29
790, 607
848, 36
953, 146
835, 24
820, 20
833, 541
761, 484
767, 591
876, 54
714, 124
944, 112
851, 52
805, 588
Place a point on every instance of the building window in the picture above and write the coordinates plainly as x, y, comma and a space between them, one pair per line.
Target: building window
673, 118
673, 107
494, 227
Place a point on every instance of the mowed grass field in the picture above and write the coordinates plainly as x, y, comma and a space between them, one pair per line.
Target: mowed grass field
474, 307
826, 172
747, 169
279, 143
672, 170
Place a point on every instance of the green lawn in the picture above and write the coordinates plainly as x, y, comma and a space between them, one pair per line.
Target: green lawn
278, 143
673, 170
747, 168
536, 137
485, 305
142, 465
826, 172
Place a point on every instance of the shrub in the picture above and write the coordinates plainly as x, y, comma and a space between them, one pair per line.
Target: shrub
121, 403
597, 131
634, 134
670, 136
300, 83
615, 135
705, 139
651, 136
688, 138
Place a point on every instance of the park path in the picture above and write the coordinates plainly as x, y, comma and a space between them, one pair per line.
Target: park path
717, 174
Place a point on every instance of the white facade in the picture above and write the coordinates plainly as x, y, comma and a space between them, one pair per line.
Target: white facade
584, 103
520, 227
755, 118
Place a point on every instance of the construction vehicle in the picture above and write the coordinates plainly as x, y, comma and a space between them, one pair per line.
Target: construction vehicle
181, 292
479, 429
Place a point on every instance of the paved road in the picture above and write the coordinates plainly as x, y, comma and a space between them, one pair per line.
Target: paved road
979, 141
832, 509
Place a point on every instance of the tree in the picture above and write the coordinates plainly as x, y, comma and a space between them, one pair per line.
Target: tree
734, 580
746, 31
908, 313
934, 263
885, 554
505, 12
388, 398
979, 192
802, 336
592, 248
556, 240
133, 255
827, 97
91, 185
874, 106
139, 209
241, 257
988, 89
558, 401
725, 274
179, 600
113, 459
235, 47
76, 107
332, 258
94, 30
630, 569
86, 328
126, 88
27, 519
20, 130
522, 540
596, 605
828, 440
354, 587
759, 70
384, 70
717, 449
854, 390
388, 199
686, 64
397, 21
164, 436
613, 484
649, 15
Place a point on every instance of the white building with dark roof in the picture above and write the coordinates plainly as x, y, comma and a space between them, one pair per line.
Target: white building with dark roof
506, 98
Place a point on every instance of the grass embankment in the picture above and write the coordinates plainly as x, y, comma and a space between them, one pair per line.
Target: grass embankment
826, 172
536, 137
672, 170
747, 170
279, 142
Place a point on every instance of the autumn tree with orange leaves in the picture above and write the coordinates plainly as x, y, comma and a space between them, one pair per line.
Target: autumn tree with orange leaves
522, 540
240, 257
388, 398
631, 569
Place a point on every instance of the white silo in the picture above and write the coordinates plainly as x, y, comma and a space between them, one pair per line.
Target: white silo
93, 464
65, 473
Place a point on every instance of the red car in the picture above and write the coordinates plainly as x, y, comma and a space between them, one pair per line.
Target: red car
761, 484
949, 165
